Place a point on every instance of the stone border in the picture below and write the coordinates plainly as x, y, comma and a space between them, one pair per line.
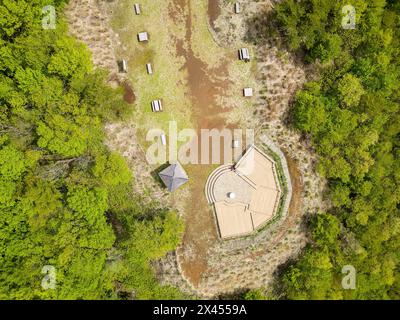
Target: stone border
284, 201
211, 179
265, 230
282, 192
274, 148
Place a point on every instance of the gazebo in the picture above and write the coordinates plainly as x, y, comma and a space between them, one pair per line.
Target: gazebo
173, 176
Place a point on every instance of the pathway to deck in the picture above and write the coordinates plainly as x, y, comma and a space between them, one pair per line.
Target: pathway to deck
205, 86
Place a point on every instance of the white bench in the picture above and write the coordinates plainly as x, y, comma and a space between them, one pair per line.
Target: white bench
163, 139
156, 106
248, 92
149, 68
123, 66
137, 8
237, 7
244, 54
143, 36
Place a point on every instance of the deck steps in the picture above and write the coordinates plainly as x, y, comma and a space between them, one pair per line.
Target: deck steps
213, 177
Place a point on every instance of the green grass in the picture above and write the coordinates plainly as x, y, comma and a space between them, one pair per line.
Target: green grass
169, 80
203, 44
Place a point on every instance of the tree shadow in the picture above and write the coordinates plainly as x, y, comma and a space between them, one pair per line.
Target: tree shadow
238, 294
261, 28
305, 223
278, 288
155, 173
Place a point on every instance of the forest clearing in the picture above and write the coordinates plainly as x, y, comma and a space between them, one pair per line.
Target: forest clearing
212, 149
195, 70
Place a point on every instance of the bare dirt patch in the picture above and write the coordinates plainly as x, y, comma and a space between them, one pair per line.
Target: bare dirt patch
295, 207
214, 11
129, 94
200, 231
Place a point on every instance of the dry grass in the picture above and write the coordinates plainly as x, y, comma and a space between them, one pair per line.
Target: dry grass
89, 24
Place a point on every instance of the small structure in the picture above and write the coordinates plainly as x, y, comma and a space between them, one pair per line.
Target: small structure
173, 176
235, 144
237, 7
247, 197
231, 195
123, 66
244, 54
149, 68
143, 36
156, 106
248, 92
163, 139
137, 8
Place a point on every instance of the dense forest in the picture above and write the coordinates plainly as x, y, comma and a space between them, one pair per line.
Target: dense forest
65, 199
351, 115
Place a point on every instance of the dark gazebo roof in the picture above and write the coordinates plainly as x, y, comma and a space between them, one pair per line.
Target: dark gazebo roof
173, 176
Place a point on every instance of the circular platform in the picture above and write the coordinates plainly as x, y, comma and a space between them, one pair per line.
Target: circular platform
244, 196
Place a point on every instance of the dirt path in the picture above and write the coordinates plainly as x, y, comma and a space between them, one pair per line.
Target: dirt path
214, 11
204, 87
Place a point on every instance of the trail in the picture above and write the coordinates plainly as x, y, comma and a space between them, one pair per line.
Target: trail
207, 114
